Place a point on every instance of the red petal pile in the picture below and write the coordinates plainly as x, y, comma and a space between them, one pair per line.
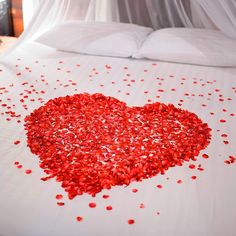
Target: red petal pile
93, 142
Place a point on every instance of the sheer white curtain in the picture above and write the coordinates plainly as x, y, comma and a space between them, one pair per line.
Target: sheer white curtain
221, 12
218, 14
43, 14
28, 8
39, 15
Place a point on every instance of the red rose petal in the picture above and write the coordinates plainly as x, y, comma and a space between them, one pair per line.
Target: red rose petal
60, 203
131, 221
141, 205
192, 166
205, 156
200, 169
79, 218
231, 160
92, 205
105, 196
28, 171
59, 196
109, 208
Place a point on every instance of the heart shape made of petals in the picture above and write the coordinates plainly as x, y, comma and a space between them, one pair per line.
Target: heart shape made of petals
93, 142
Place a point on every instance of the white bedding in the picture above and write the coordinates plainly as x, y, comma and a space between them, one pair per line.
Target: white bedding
202, 207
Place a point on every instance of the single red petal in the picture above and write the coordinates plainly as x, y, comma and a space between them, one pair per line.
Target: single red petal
205, 156
109, 208
134, 190
92, 205
28, 171
79, 218
60, 203
131, 221
59, 196
192, 166
141, 205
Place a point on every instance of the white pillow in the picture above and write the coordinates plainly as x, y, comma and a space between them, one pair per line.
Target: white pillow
191, 46
96, 38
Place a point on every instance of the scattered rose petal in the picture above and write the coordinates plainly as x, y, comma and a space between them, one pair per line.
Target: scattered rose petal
60, 203
92, 205
79, 218
141, 205
59, 196
231, 160
109, 208
131, 221
105, 196
205, 156
28, 171
192, 166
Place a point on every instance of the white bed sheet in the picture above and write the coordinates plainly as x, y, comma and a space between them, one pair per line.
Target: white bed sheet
202, 207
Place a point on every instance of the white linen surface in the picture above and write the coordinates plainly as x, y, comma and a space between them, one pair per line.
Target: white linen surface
202, 207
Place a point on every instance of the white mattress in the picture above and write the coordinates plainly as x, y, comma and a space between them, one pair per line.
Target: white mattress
202, 207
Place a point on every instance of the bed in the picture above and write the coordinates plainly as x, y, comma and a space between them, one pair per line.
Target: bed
197, 198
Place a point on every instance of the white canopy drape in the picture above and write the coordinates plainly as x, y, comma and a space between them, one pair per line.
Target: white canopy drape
219, 14
39, 15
